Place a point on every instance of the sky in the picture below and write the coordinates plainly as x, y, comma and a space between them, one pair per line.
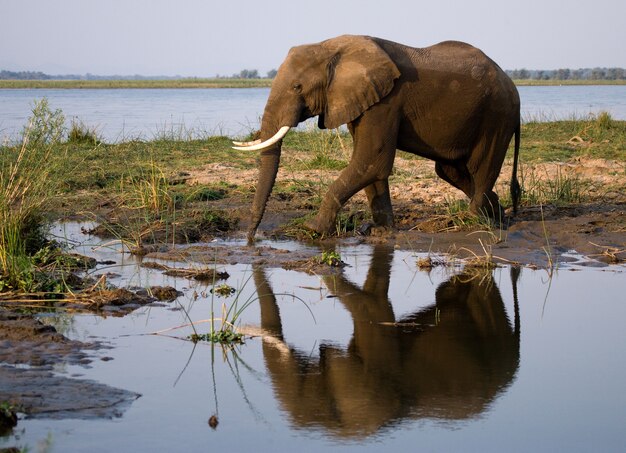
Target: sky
205, 38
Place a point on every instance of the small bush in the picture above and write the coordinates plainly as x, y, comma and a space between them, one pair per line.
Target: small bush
45, 126
80, 133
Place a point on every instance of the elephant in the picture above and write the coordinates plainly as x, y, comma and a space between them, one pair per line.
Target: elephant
448, 102
447, 361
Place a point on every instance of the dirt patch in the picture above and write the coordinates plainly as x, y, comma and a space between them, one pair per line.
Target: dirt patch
587, 216
575, 205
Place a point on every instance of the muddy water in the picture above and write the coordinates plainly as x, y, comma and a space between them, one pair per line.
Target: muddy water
379, 355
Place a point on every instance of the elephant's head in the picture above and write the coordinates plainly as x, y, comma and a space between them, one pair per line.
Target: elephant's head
337, 80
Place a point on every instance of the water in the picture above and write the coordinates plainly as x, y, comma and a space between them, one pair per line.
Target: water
549, 103
124, 114
507, 361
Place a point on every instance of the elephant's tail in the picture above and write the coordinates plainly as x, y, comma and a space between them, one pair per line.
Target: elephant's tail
516, 190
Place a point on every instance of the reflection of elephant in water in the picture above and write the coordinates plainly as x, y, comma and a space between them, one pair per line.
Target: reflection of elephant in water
449, 103
448, 361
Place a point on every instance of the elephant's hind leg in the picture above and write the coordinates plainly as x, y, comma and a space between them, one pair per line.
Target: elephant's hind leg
484, 166
457, 175
380, 203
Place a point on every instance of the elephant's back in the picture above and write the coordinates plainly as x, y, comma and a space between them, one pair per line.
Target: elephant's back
460, 58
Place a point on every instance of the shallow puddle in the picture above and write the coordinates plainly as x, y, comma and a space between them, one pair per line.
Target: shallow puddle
380, 354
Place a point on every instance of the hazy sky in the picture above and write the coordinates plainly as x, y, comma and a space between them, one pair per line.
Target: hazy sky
209, 37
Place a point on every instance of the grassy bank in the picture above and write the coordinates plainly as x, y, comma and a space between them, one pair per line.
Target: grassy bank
141, 190
98, 166
222, 83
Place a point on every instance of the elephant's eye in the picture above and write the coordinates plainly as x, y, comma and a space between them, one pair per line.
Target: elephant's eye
297, 88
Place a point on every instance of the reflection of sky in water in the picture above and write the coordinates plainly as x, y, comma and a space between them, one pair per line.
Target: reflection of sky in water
563, 390
146, 113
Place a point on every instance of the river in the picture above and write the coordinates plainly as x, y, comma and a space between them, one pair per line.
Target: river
381, 356
124, 114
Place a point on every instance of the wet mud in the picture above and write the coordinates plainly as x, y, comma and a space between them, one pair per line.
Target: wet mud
30, 352
590, 234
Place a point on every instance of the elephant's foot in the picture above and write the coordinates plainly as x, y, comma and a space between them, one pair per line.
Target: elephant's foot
488, 206
371, 229
320, 227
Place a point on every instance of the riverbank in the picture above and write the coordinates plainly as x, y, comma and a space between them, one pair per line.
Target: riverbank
170, 190
573, 175
221, 83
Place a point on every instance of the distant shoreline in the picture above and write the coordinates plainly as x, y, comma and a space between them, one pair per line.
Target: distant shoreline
139, 84
222, 83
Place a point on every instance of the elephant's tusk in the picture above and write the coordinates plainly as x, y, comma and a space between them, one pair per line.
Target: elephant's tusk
246, 144
267, 143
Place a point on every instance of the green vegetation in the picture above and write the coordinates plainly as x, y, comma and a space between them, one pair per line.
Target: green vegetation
599, 136
8, 418
139, 190
227, 332
569, 76
326, 149
330, 258
30, 177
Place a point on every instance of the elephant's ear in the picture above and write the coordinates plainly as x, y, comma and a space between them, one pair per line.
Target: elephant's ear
360, 74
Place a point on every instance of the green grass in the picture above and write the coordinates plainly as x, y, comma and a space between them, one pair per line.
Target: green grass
597, 136
560, 189
104, 165
326, 149
30, 177
100, 166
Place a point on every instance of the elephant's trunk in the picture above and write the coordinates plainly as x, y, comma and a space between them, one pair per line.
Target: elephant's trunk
268, 169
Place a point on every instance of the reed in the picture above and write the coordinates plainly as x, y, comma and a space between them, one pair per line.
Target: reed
29, 179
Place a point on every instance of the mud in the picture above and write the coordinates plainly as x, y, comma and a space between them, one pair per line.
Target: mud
538, 235
30, 351
591, 234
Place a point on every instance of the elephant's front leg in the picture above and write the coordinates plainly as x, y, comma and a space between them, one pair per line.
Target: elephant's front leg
369, 169
350, 181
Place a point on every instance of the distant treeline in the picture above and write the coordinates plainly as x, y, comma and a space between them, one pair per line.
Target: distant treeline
515, 74
568, 74
38, 75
